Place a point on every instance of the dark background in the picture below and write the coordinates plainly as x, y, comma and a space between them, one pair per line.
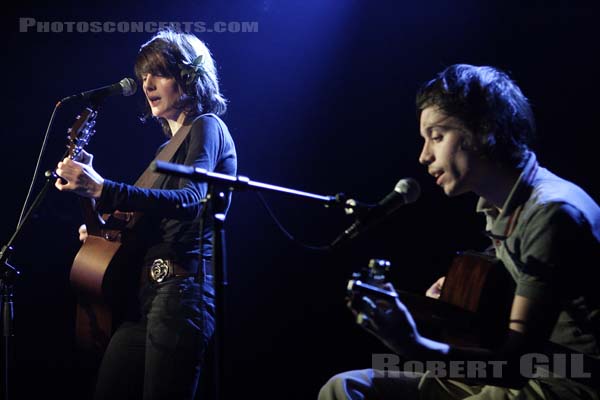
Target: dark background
321, 100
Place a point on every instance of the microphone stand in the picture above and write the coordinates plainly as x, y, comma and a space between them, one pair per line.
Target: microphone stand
8, 279
218, 209
218, 204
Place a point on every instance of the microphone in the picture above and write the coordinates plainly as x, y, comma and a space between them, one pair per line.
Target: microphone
406, 191
125, 87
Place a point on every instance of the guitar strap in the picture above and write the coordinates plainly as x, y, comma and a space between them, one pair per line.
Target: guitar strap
149, 178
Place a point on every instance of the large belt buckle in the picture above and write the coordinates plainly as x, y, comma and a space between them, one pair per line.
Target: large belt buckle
159, 270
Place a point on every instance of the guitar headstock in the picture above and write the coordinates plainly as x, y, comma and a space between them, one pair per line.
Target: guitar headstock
81, 132
371, 280
375, 273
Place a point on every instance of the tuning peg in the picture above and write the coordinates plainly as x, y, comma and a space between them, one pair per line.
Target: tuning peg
378, 269
378, 263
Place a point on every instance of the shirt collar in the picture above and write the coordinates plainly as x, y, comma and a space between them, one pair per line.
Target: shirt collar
503, 222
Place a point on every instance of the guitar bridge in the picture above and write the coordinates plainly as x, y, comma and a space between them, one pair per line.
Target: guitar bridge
111, 235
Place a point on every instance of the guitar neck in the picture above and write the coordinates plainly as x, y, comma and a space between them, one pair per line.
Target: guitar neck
92, 219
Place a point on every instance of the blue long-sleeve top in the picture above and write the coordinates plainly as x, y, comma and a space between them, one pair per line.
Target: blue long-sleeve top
171, 211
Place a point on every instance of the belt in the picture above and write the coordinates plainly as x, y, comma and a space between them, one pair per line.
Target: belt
163, 269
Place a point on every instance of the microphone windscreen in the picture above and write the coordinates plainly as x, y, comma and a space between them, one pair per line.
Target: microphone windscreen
129, 86
409, 188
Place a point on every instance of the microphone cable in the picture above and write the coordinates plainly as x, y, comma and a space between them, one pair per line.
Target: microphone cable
286, 233
37, 165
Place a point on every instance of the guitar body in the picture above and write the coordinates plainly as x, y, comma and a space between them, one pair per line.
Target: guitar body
91, 263
474, 305
93, 319
106, 275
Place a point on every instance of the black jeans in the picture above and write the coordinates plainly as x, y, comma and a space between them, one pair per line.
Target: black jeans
161, 355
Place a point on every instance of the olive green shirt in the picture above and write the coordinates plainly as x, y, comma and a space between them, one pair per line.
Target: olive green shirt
547, 235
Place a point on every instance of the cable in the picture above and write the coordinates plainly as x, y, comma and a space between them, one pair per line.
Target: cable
286, 233
37, 165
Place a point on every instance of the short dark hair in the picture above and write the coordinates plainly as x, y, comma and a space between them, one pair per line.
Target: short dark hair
490, 105
169, 52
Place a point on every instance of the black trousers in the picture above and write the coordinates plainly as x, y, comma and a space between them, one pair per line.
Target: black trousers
163, 354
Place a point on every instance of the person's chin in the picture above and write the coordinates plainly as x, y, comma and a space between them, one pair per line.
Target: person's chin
449, 193
449, 189
454, 190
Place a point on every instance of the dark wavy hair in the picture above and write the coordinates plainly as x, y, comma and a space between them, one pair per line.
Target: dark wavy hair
490, 105
166, 54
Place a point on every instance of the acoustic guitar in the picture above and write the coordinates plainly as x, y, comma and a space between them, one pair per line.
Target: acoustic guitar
99, 282
473, 307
